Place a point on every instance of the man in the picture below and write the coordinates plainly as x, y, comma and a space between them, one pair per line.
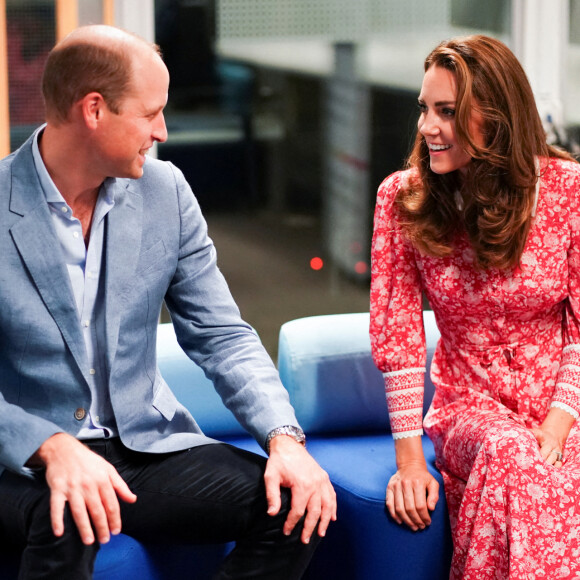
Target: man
94, 237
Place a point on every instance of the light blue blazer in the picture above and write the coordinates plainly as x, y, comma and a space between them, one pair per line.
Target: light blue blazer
156, 248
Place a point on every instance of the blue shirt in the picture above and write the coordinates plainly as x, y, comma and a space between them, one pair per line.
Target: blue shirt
86, 269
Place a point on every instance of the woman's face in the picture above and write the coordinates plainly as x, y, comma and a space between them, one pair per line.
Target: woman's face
437, 122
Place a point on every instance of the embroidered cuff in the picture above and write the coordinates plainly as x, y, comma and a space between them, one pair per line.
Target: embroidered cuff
404, 435
404, 393
566, 408
567, 390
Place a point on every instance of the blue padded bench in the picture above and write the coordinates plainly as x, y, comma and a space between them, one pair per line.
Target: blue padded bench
337, 392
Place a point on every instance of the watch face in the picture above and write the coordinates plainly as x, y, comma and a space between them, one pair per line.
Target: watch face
293, 432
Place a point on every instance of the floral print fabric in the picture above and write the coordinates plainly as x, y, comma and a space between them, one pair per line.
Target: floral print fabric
509, 349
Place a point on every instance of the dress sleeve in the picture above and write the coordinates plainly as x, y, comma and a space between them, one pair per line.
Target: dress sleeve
396, 327
567, 391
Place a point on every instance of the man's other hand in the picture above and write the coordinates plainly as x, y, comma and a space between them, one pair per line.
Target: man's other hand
291, 466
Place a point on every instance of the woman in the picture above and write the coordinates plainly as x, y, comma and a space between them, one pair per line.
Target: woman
486, 222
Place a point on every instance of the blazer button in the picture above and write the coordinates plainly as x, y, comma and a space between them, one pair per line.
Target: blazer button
80, 414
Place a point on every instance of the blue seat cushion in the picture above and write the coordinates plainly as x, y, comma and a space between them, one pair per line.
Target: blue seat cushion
125, 558
365, 543
359, 466
326, 365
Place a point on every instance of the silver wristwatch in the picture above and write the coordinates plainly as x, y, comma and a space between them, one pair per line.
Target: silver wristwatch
295, 432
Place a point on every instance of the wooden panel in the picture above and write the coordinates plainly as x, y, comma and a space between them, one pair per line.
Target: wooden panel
109, 12
67, 17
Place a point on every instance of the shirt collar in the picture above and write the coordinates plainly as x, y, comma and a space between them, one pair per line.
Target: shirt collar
51, 193
50, 190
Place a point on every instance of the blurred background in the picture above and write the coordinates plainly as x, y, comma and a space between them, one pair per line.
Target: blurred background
285, 116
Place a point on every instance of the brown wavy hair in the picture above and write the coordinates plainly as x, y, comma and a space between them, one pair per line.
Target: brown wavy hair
497, 190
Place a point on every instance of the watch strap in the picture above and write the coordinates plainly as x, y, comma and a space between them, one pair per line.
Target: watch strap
290, 430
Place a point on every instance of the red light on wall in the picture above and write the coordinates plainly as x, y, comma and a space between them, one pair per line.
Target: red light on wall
361, 267
316, 263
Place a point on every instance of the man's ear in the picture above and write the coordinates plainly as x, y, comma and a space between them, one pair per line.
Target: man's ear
92, 108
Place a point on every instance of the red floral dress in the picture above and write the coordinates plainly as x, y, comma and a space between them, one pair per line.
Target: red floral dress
509, 349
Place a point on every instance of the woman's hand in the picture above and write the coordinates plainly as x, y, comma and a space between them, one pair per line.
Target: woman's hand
551, 449
412, 493
551, 435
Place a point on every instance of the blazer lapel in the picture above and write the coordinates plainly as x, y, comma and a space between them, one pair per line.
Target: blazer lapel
40, 250
123, 246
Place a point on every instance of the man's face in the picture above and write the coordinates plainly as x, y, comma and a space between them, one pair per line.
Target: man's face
126, 137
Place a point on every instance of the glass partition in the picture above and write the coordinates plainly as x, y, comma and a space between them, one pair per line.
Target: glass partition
392, 37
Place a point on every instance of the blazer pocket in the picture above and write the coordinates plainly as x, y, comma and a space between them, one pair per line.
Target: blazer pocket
152, 256
164, 400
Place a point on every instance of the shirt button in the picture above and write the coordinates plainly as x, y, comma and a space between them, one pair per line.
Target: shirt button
64, 209
86, 322
92, 371
80, 414
75, 235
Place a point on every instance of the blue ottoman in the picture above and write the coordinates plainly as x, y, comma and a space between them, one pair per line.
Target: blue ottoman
338, 393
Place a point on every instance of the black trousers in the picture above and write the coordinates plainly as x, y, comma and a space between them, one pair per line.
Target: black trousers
208, 494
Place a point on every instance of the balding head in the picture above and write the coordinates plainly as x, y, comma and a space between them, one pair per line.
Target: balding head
95, 58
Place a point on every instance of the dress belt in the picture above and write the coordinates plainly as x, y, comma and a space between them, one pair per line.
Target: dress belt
511, 353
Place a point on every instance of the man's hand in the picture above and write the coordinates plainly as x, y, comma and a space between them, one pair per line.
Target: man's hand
87, 482
291, 466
